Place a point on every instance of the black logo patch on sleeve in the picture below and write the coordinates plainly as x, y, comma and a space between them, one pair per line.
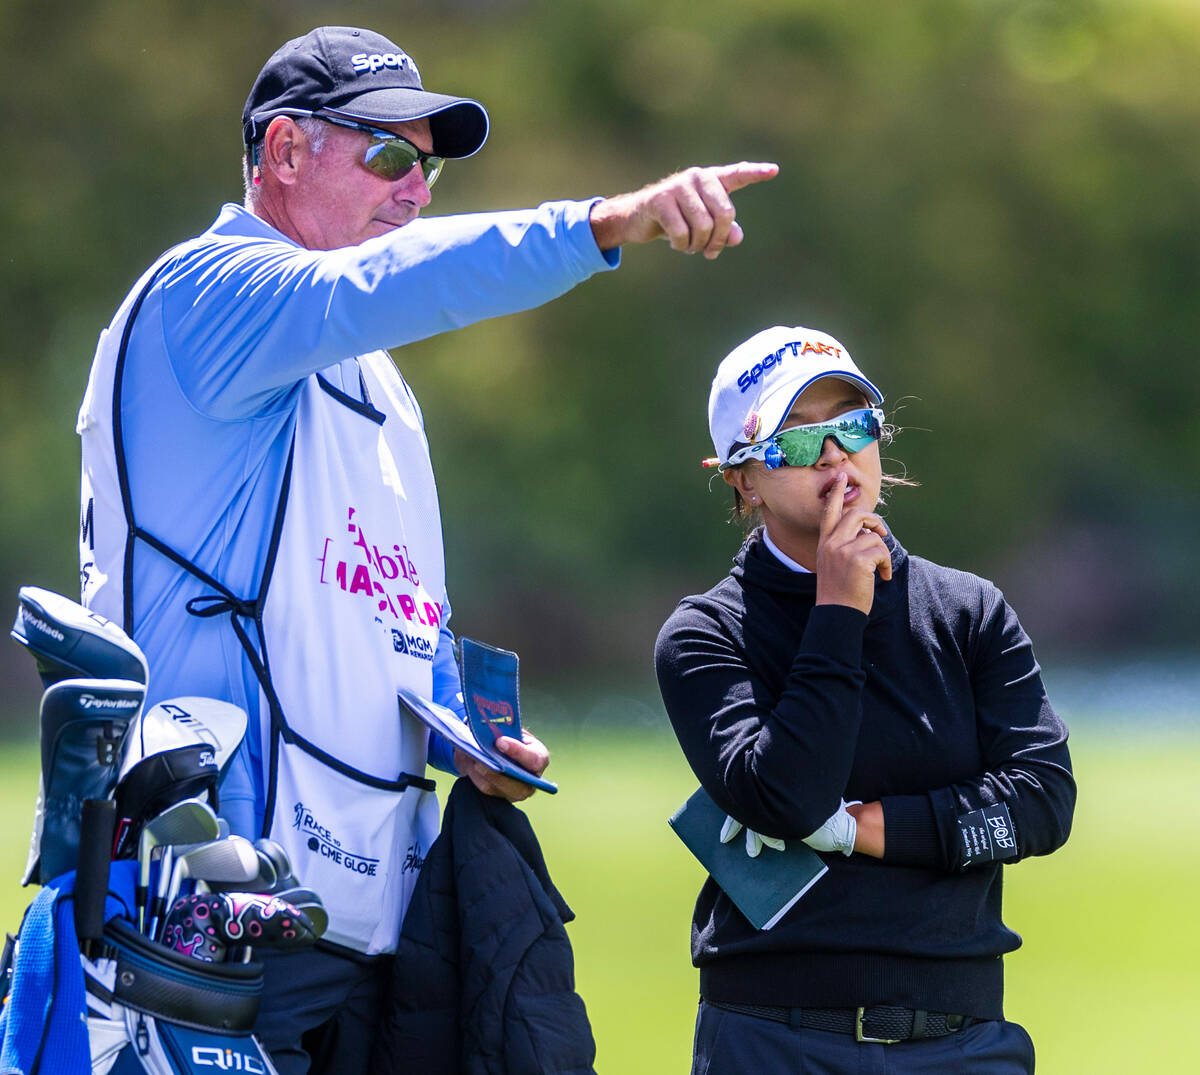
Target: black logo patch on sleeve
987, 835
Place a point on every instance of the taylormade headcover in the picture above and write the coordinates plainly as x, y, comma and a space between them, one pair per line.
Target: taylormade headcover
83, 723
70, 642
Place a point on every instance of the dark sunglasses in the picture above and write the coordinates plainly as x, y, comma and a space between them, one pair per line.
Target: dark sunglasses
390, 155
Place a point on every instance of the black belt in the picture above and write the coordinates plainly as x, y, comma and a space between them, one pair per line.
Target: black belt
880, 1023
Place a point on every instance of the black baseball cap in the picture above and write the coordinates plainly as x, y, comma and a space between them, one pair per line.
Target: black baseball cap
362, 75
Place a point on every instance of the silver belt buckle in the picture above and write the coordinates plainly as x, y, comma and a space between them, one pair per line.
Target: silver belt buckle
860, 1036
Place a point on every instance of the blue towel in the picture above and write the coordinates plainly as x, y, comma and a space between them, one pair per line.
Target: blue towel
44, 1022
45, 1028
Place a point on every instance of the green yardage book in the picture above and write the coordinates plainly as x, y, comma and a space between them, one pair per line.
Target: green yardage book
765, 888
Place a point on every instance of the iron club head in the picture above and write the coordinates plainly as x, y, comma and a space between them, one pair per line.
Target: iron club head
232, 859
188, 821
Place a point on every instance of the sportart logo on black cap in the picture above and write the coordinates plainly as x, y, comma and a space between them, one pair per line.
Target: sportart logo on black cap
364, 63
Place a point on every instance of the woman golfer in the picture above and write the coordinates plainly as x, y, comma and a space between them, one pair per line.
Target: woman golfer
882, 709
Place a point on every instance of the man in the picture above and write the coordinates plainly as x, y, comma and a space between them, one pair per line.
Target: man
259, 509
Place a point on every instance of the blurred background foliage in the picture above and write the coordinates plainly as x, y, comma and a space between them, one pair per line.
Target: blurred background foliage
994, 204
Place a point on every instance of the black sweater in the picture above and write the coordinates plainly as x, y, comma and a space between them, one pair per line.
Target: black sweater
932, 704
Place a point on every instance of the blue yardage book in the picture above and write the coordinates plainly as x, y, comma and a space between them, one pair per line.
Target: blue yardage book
490, 693
765, 888
491, 690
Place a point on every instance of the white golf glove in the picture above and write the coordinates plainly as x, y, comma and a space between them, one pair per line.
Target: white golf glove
754, 840
838, 832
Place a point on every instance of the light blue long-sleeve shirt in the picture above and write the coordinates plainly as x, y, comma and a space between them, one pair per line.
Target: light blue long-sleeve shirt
235, 323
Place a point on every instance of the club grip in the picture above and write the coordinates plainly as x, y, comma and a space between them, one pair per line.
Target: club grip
91, 875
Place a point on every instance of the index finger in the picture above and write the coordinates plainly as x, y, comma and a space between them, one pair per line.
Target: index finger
835, 501
884, 567
735, 176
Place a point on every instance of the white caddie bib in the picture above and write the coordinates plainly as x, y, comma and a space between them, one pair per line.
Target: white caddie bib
351, 612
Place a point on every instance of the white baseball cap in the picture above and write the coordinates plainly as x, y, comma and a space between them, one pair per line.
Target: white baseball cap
759, 380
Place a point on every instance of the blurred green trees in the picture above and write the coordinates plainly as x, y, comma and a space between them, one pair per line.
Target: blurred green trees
994, 205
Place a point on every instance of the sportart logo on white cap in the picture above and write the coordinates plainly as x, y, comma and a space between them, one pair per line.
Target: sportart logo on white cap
760, 369
370, 62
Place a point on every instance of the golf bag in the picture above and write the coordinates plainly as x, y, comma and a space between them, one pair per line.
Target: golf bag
83, 989
151, 1011
126, 1006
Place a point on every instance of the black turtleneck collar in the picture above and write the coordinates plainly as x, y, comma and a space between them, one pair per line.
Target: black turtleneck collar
756, 565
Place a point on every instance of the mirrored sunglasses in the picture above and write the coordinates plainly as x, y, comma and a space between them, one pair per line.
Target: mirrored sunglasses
801, 446
391, 155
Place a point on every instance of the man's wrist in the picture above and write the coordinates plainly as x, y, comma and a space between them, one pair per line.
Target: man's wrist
609, 223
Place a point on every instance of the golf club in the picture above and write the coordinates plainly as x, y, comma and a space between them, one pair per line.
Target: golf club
306, 900
265, 881
231, 859
308, 903
277, 856
188, 821
206, 925
275, 871
158, 905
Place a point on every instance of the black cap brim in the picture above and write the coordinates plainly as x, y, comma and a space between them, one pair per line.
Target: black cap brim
459, 125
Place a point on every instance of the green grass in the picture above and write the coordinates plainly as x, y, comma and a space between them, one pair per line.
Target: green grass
1107, 980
